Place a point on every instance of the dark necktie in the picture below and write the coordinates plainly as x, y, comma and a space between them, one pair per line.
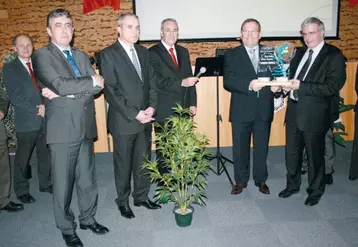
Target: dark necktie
33, 76
303, 72
73, 63
171, 51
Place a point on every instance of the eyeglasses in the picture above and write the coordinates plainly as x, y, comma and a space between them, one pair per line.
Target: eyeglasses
246, 32
309, 34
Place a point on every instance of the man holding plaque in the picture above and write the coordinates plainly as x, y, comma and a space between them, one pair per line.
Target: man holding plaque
251, 108
318, 72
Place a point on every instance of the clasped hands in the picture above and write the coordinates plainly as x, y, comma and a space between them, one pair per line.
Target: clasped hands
146, 116
256, 85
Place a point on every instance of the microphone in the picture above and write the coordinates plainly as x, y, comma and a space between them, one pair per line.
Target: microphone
201, 72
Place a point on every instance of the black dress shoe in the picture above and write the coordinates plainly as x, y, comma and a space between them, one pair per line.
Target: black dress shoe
312, 200
328, 179
264, 189
72, 240
27, 198
47, 190
12, 207
147, 204
95, 228
126, 212
287, 193
352, 178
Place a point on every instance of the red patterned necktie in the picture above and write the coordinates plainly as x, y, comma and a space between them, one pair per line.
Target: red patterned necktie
33, 76
171, 51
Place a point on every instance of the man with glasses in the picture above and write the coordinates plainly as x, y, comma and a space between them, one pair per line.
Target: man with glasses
318, 72
251, 109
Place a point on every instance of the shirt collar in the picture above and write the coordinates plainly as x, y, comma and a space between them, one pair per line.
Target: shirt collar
167, 46
63, 49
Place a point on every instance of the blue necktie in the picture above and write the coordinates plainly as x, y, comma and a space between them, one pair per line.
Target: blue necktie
72, 61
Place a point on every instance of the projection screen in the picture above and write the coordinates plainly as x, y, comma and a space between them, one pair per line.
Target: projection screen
221, 20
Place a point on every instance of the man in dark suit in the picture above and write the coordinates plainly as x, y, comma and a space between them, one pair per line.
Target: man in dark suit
175, 81
353, 171
25, 95
5, 177
132, 98
70, 84
318, 73
251, 108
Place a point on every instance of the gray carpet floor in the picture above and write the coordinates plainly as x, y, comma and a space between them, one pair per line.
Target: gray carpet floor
250, 219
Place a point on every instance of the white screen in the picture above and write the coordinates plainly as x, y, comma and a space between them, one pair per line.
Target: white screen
206, 19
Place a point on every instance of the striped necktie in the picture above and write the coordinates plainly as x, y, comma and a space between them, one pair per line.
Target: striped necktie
253, 58
136, 63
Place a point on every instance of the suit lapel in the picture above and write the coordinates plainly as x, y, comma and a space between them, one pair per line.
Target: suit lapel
316, 63
23, 73
246, 59
296, 61
168, 59
61, 57
124, 56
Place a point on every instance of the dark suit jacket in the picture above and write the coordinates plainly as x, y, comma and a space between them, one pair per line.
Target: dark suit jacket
323, 81
4, 102
356, 87
244, 105
67, 119
124, 91
23, 95
169, 79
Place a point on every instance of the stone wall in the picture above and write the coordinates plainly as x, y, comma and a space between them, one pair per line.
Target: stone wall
96, 30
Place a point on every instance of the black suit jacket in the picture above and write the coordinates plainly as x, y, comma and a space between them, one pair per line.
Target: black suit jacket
23, 95
4, 102
356, 87
323, 81
245, 106
169, 79
124, 91
67, 119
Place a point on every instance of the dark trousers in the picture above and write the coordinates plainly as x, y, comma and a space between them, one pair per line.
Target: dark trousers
353, 171
329, 153
162, 167
26, 142
241, 135
73, 165
130, 152
314, 142
5, 174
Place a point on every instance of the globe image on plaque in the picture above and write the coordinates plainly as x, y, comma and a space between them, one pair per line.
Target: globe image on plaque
283, 55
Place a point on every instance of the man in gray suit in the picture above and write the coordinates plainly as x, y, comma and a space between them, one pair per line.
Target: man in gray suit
5, 177
25, 95
130, 91
70, 84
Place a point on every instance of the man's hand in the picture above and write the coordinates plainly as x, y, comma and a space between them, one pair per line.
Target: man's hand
47, 93
275, 89
41, 111
295, 84
149, 111
1, 115
189, 81
254, 85
99, 80
143, 118
193, 110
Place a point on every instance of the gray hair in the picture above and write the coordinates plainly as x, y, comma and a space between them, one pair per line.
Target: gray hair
57, 13
313, 20
168, 20
124, 15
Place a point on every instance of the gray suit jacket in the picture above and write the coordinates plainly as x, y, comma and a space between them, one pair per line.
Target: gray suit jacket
23, 95
124, 91
67, 119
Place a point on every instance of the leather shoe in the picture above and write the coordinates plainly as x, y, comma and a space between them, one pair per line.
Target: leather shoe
352, 178
126, 212
287, 193
12, 207
312, 200
48, 189
72, 240
328, 179
264, 189
237, 188
27, 198
147, 204
95, 228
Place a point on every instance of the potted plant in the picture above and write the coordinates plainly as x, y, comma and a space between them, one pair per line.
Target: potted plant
183, 151
339, 126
